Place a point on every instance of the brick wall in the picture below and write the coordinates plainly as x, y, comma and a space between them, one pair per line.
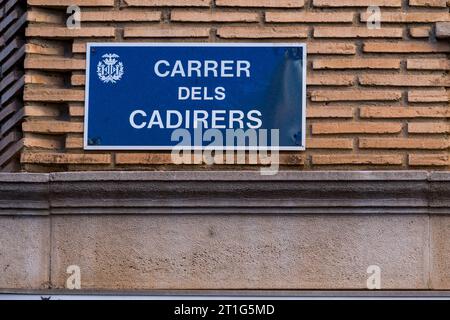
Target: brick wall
377, 98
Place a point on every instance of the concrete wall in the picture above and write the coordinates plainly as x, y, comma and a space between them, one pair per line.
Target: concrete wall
126, 231
233, 252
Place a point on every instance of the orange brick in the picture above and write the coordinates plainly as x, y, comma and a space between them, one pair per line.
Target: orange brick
357, 159
355, 95
65, 158
420, 32
50, 94
291, 159
41, 110
39, 78
54, 63
356, 127
438, 80
428, 64
330, 79
262, 32
403, 143
357, 3
428, 3
428, 127
428, 96
166, 158
406, 47
331, 48
329, 112
45, 16
63, 32
143, 158
78, 47
213, 16
305, 17
356, 63
43, 48
76, 109
261, 3
32, 141
357, 32
67, 3
403, 112
428, 160
122, 15
332, 143
166, 32
168, 3
408, 17
52, 126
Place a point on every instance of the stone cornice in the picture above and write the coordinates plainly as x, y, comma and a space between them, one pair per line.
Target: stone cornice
226, 192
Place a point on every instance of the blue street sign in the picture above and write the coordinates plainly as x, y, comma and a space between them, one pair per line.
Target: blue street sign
148, 96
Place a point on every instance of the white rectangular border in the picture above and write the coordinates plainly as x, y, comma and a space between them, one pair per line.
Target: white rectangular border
191, 44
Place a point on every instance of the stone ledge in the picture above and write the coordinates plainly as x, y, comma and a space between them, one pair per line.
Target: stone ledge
24, 194
225, 192
212, 294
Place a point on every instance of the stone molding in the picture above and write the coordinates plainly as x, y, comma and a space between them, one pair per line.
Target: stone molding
225, 192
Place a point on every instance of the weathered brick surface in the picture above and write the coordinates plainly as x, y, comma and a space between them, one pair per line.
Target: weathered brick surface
168, 3
429, 127
403, 143
66, 3
262, 3
52, 126
65, 158
357, 3
429, 160
429, 96
123, 15
55, 63
356, 127
420, 32
164, 32
303, 17
372, 63
428, 3
217, 16
357, 32
262, 32
438, 80
360, 159
406, 47
330, 112
410, 17
355, 95
428, 64
404, 112
376, 98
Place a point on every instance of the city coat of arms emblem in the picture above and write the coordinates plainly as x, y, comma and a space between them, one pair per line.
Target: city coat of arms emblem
110, 69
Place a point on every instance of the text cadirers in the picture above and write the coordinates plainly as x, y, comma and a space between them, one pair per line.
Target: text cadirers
214, 119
